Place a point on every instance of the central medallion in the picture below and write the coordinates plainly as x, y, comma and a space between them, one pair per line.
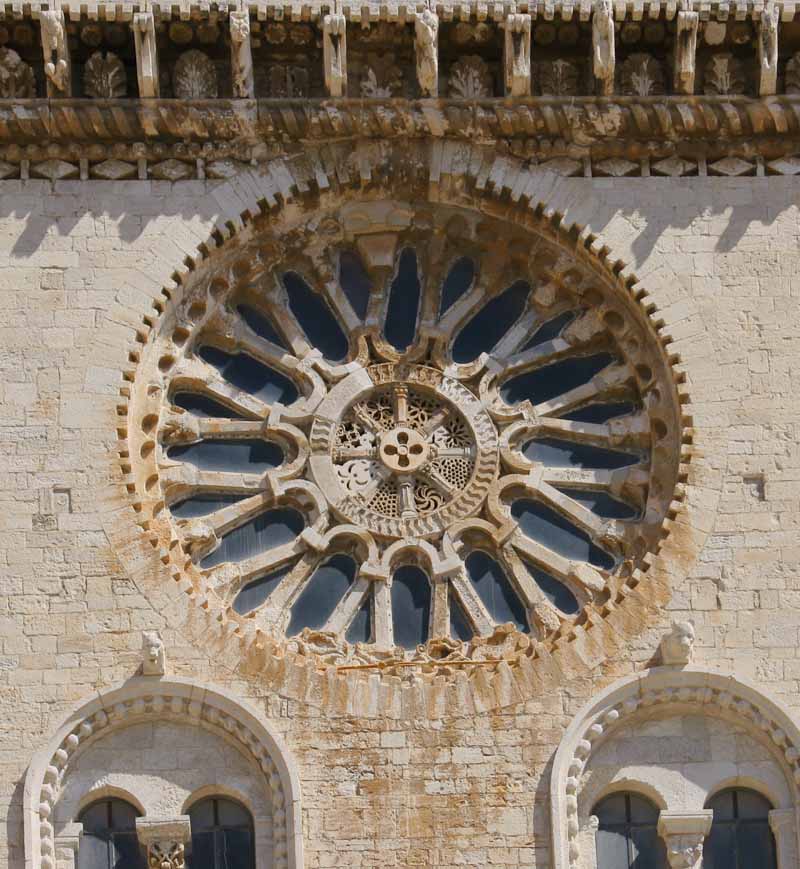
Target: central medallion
403, 450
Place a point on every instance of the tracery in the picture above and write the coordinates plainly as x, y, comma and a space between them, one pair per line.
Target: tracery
403, 432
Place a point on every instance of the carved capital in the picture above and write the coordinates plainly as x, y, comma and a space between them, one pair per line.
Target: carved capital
165, 840
683, 834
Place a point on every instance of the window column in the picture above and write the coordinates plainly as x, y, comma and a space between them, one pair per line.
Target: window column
783, 823
684, 833
165, 840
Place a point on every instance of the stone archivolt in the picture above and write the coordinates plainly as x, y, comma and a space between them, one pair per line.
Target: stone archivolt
406, 456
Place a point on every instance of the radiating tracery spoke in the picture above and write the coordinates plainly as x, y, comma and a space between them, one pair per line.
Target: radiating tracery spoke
476, 443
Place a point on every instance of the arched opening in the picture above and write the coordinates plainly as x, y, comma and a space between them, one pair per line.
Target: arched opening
223, 835
740, 834
627, 835
109, 838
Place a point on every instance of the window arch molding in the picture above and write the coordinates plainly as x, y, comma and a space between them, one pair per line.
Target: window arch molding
140, 700
667, 690
457, 181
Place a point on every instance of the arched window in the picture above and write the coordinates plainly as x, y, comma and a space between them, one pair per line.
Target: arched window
740, 834
109, 836
627, 835
222, 835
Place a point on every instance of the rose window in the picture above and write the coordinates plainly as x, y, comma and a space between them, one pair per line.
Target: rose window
423, 435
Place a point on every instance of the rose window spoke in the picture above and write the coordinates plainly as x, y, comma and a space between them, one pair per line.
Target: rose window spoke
368, 446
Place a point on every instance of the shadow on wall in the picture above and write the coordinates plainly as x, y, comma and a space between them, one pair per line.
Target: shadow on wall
132, 210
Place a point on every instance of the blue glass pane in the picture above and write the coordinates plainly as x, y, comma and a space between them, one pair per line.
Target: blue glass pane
751, 805
411, 605
642, 811
250, 376
459, 279
248, 456
554, 590
202, 405
268, 530
324, 590
600, 503
203, 505
722, 806
202, 815
549, 330
460, 628
360, 630
234, 849
356, 283
495, 590
202, 852
545, 383
599, 413
647, 848
719, 848
401, 314
256, 592
612, 849
127, 853
551, 529
262, 325
565, 454
95, 852
491, 323
755, 845
231, 814
315, 318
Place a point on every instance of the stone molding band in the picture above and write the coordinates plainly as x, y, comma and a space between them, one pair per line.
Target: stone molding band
143, 698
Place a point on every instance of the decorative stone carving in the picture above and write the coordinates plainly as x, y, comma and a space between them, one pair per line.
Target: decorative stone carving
426, 28
603, 50
558, 78
724, 74
334, 52
517, 55
685, 48
792, 75
768, 51
470, 79
16, 77
164, 840
683, 834
104, 77
382, 78
194, 76
641, 75
677, 647
241, 56
144, 36
287, 81
153, 654
57, 66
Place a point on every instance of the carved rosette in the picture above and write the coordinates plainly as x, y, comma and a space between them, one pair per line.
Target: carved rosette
194, 77
104, 77
454, 394
16, 76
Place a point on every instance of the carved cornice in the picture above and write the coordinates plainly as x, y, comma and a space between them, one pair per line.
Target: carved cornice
630, 135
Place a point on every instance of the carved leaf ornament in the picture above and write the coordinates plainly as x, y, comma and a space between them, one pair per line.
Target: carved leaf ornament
443, 441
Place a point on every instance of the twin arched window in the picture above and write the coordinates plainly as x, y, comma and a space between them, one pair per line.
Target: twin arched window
740, 837
222, 836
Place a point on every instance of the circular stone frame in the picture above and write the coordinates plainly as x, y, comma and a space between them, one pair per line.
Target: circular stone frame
362, 384
285, 665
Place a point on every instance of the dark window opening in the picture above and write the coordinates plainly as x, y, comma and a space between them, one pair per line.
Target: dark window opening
266, 531
356, 282
627, 835
109, 838
222, 835
740, 836
404, 294
543, 384
315, 318
216, 454
495, 590
483, 332
458, 281
326, 587
411, 606
249, 375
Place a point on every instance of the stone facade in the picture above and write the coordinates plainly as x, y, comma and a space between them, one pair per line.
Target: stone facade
132, 227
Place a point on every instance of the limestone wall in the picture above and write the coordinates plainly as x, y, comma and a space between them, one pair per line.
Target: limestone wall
80, 264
